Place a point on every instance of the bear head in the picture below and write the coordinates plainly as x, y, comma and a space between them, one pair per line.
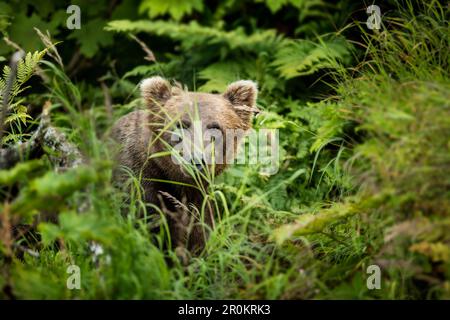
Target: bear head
202, 131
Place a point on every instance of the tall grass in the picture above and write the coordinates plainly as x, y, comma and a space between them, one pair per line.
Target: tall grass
378, 148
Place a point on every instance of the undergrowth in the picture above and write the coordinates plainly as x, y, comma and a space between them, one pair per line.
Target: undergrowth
363, 177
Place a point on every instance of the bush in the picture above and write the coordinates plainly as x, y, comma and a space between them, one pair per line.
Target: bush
363, 120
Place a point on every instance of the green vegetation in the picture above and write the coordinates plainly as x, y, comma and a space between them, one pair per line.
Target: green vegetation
364, 127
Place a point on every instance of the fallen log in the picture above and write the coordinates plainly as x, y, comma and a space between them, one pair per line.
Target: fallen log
63, 155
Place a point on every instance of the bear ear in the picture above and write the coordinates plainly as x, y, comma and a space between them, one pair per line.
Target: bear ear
242, 93
155, 90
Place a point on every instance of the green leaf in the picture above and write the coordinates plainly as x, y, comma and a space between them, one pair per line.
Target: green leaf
176, 9
22, 29
219, 75
141, 71
78, 227
194, 34
275, 5
49, 191
91, 37
49, 232
19, 172
304, 57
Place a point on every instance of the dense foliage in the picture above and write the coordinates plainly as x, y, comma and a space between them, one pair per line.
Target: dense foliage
363, 118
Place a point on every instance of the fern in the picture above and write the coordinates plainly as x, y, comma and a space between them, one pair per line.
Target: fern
192, 35
25, 69
219, 75
303, 57
176, 9
17, 111
141, 71
221, 56
291, 58
304, 6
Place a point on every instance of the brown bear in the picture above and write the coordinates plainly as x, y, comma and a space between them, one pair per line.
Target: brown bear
148, 138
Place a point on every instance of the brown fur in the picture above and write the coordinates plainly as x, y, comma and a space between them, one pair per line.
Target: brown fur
137, 133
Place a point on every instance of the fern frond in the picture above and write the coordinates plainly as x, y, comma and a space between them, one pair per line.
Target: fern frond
18, 113
177, 9
303, 57
219, 75
27, 66
193, 34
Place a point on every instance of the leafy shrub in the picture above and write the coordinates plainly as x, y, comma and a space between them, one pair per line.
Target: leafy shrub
363, 152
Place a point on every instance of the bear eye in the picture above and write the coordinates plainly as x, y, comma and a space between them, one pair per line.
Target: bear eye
214, 125
183, 124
